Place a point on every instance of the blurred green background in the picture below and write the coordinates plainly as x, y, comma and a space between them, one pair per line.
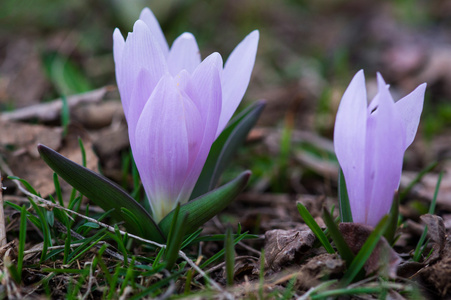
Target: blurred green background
308, 53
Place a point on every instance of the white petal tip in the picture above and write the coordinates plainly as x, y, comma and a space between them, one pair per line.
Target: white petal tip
144, 12
187, 36
117, 36
139, 25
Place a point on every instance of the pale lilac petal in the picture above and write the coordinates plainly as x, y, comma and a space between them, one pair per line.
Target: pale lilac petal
182, 79
236, 76
205, 89
162, 144
184, 54
410, 108
149, 18
384, 155
349, 142
118, 48
140, 95
141, 50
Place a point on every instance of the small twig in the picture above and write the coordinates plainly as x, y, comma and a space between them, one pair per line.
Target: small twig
57, 247
50, 111
49, 205
21, 200
91, 279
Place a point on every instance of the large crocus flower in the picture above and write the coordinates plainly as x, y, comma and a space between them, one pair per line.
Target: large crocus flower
370, 141
175, 105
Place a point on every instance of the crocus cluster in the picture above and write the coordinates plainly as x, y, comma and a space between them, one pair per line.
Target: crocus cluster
370, 141
176, 105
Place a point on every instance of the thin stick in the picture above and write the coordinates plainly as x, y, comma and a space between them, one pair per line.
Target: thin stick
3, 241
49, 111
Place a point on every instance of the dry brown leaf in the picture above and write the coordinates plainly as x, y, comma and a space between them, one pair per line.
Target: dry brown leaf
287, 247
325, 265
436, 235
439, 274
24, 159
383, 259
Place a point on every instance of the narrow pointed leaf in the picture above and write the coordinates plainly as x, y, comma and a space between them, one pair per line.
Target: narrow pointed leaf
229, 247
104, 193
225, 146
389, 234
311, 223
343, 248
207, 206
343, 199
175, 238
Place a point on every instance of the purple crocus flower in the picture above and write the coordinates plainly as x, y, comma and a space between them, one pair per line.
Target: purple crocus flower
370, 141
176, 105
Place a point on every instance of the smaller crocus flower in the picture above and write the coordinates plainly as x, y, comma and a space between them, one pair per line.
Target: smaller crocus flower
370, 141
176, 105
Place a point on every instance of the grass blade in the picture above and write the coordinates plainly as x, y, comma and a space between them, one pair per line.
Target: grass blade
175, 239
311, 223
343, 198
340, 243
389, 234
229, 257
22, 238
434, 199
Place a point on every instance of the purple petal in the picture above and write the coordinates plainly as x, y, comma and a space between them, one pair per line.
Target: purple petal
162, 138
410, 108
118, 48
141, 50
349, 142
184, 54
384, 154
149, 18
236, 76
205, 90
140, 95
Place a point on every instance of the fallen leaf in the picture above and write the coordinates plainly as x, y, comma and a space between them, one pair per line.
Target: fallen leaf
287, 247
325, 265
383, 259
436, 235
439, 274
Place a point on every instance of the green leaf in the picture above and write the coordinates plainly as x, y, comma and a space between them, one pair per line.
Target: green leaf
22, 237
311, 223
221, 252
104, 193
207, 206
340, 243
224, 147
175, 238
434, 199
343, 199
389, 234
229, 247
